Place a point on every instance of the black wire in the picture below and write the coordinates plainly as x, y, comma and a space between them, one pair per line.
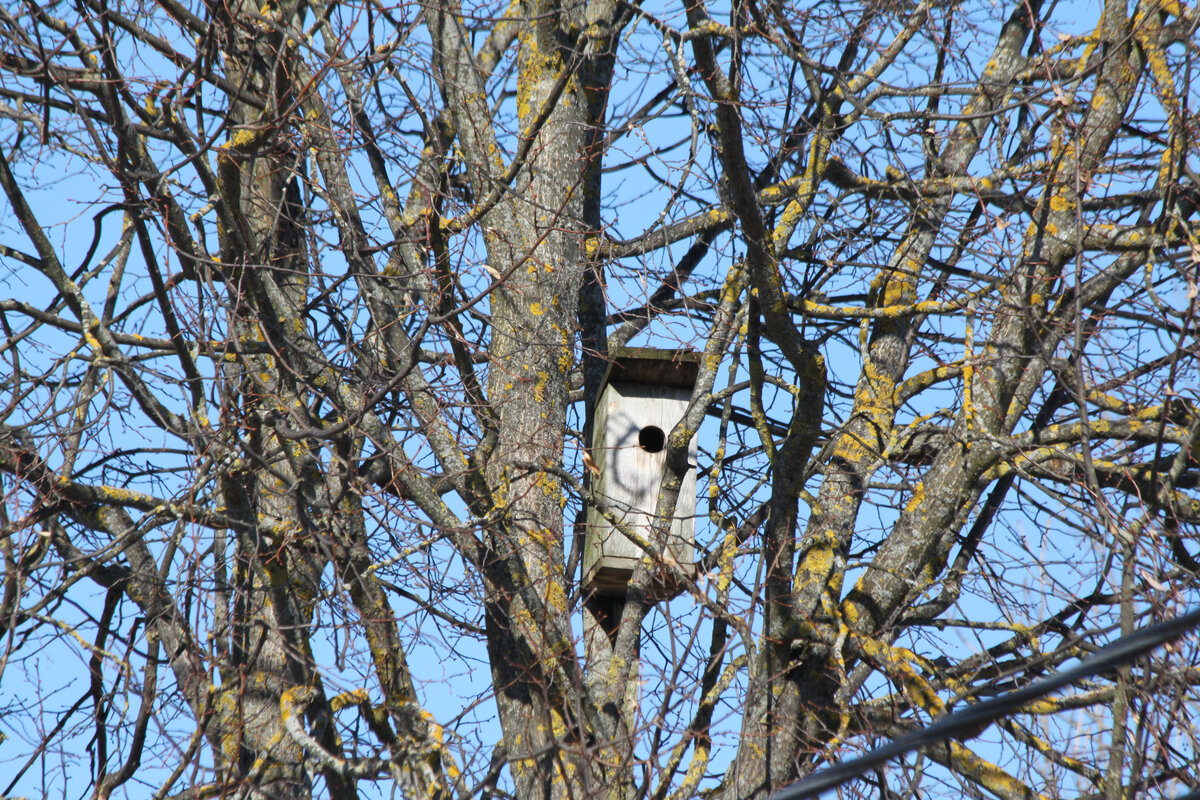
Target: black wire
969, 721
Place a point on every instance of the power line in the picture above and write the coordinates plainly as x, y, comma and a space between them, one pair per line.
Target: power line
968, 721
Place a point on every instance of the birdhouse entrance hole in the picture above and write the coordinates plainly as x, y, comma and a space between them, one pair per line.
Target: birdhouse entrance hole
644, 395
652, 439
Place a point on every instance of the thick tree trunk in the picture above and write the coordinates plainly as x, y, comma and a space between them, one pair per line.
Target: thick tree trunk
277, 564
538, 238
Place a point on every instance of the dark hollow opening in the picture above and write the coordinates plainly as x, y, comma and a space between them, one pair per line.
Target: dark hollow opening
652, 439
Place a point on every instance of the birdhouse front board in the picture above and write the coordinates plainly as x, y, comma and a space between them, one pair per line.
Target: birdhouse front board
644, 396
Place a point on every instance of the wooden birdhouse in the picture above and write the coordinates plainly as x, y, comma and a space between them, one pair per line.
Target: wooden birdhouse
643, 396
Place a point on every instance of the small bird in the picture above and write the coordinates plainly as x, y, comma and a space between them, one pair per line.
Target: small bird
590, 463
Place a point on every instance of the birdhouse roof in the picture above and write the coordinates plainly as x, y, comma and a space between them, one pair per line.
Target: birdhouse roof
654, 366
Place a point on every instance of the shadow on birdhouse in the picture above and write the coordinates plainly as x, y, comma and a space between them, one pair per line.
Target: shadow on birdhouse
644, 394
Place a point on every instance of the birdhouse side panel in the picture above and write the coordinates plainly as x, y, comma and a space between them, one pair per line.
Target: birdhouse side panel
682, 546
598, 530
